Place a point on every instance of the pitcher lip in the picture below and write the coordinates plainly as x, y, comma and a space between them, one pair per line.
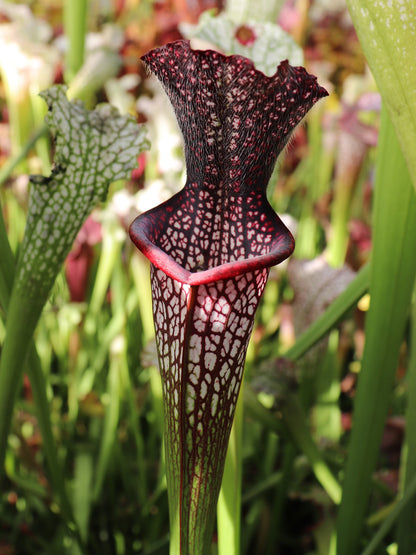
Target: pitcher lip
169, 266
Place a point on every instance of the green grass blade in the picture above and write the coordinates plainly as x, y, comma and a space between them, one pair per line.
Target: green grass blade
295, 422
110, 253
112, 413
406, 539
392, 278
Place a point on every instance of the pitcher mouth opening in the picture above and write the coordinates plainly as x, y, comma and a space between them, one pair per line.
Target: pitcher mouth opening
200, 273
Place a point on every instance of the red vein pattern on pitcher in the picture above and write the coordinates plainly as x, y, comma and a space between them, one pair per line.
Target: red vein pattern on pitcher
210, 247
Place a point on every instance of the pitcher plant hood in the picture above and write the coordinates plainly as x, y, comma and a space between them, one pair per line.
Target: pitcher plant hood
235, 121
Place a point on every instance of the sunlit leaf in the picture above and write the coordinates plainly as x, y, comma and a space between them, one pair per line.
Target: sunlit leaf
387, 33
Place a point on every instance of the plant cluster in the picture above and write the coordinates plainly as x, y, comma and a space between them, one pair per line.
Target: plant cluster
321, 455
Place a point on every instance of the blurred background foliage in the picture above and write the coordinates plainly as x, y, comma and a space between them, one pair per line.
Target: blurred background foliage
95, 337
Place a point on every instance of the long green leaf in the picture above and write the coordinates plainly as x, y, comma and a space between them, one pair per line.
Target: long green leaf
392, 277
387, 33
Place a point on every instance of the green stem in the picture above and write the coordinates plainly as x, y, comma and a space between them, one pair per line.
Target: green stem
229, 502
340, 210
295, 421
38, 384
13, 359
115, 384
351, 156
326, 413
20, 122
315, 173
110, 252
75, 24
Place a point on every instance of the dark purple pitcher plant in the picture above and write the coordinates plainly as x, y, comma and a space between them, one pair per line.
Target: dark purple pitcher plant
210, 248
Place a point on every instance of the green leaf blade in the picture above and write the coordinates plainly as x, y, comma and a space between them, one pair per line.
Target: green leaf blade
387, 33
393, 269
